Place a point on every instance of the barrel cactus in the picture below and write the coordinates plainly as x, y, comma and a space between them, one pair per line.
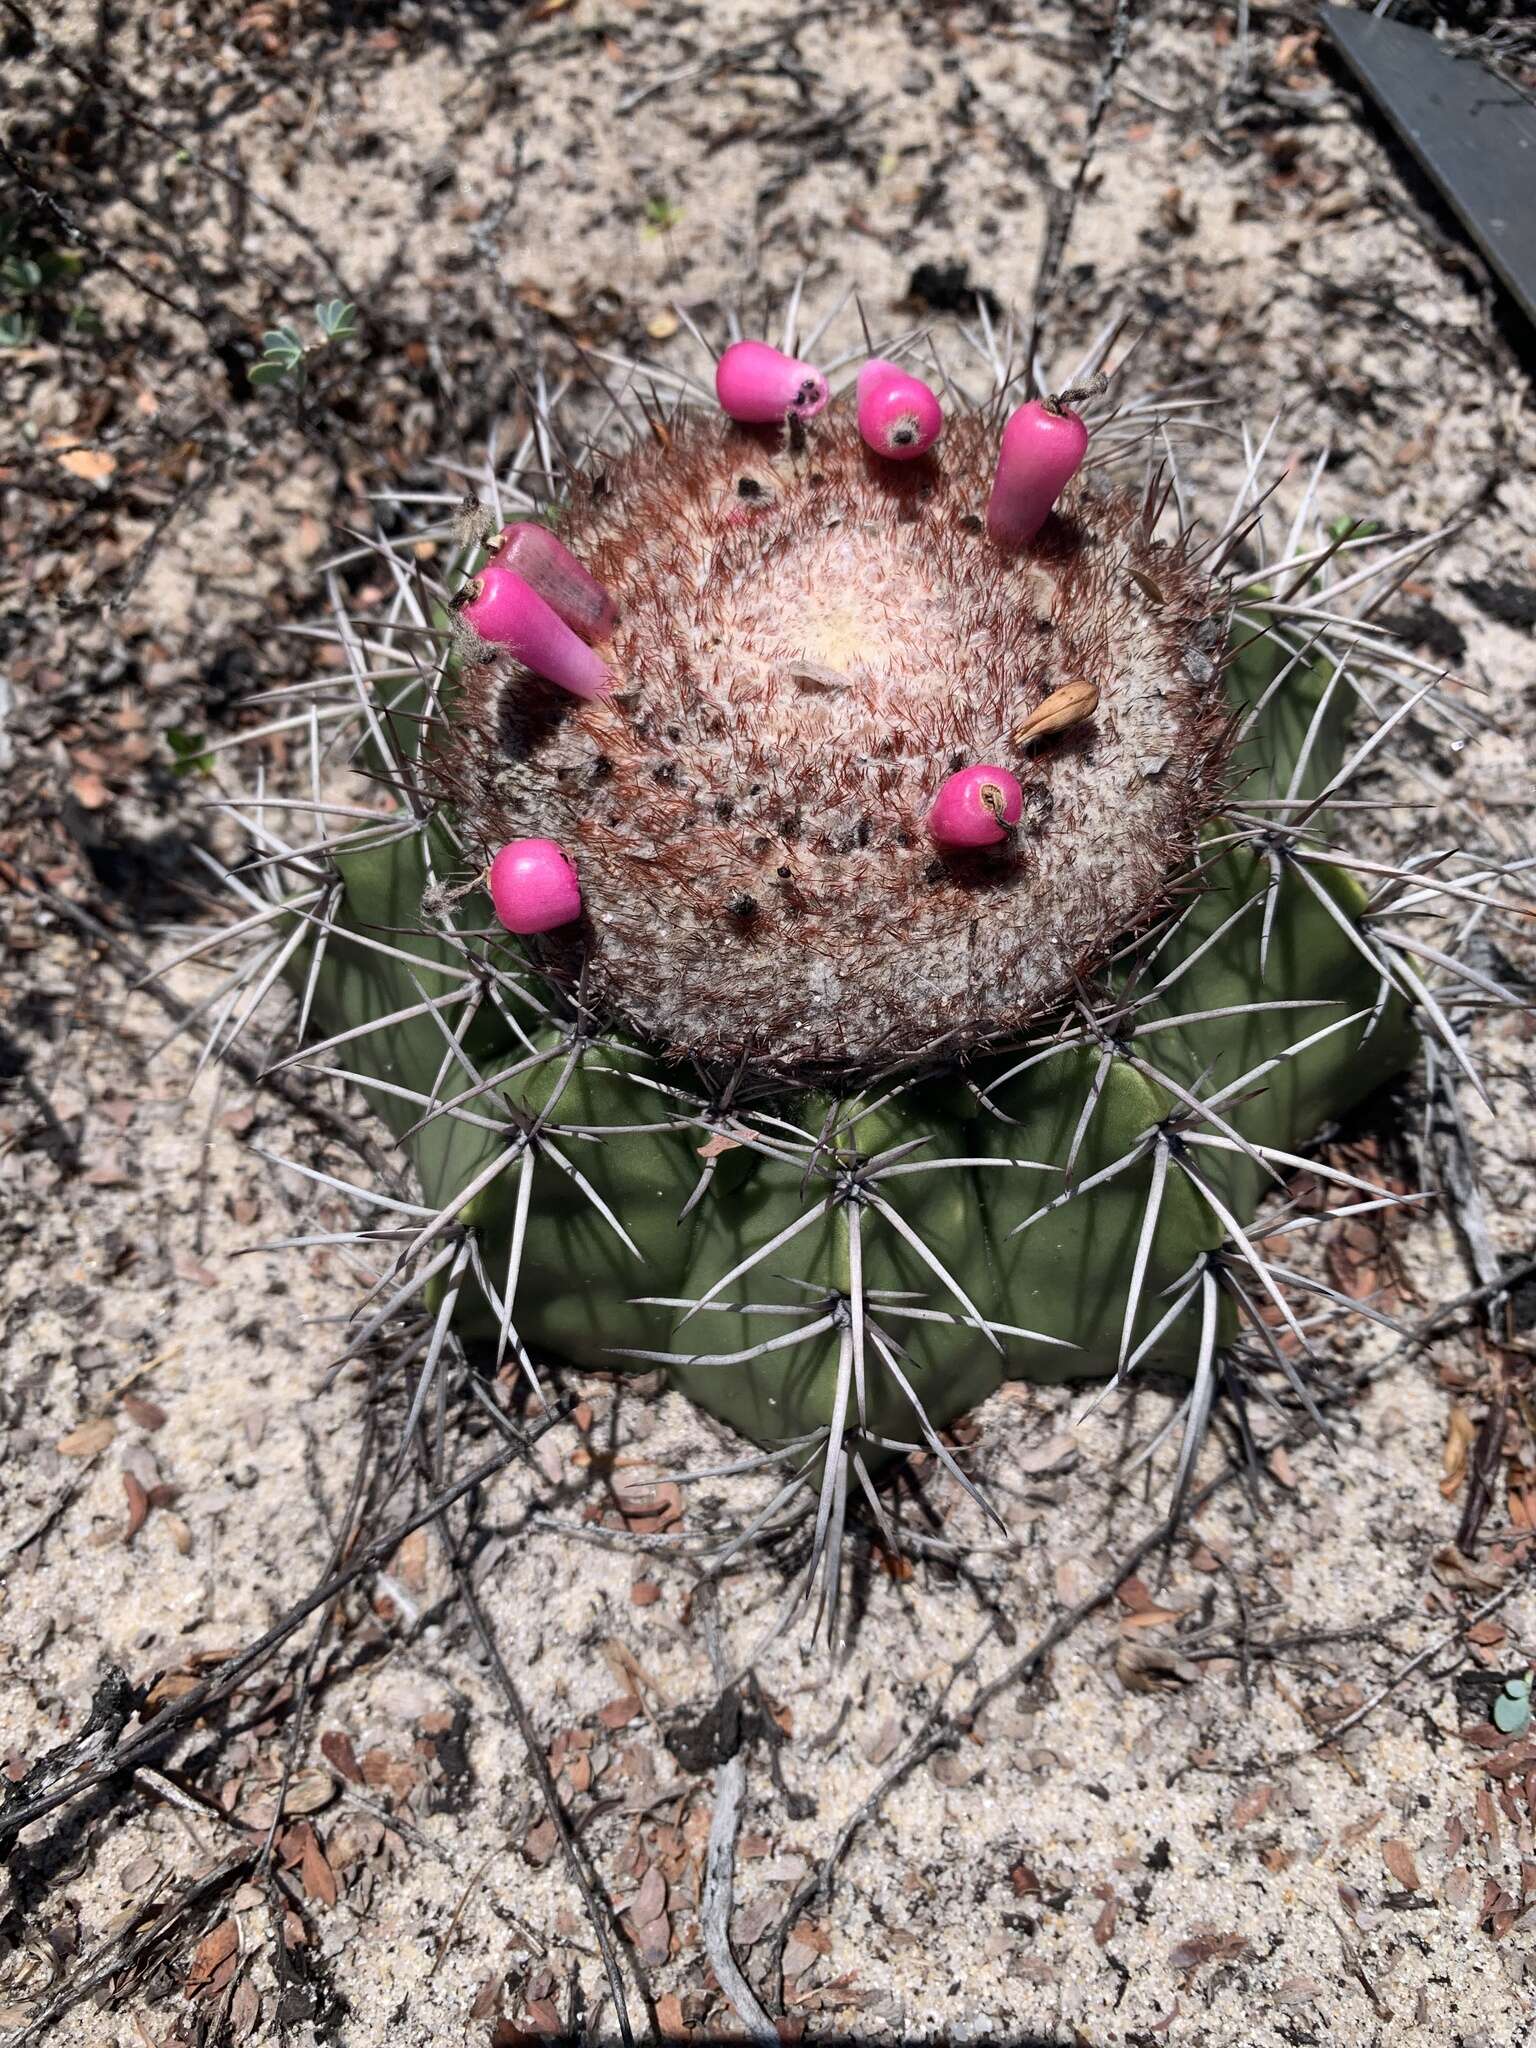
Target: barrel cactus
915, 942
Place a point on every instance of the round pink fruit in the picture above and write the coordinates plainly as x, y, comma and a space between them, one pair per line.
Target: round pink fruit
534, 887
757, 384
1042, 450
975, 807
508, 612
899, 417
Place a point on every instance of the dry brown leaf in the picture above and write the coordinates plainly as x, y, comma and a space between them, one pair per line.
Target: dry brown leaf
1253, 1805
88, 1439
138, 1505
244, 2009
216, 1947
1148, 1667
319, 1880
486, 1999
1487, 1634
147, 1414
1152, 1617
540, 1842
650, 1902
1483, 1576
1359, 1829
1460, 1435
308, 1791
1197, 1950
338, 1752
1398, 1858
411, 1560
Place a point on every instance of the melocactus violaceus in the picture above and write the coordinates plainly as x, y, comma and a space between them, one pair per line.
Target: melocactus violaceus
933, 943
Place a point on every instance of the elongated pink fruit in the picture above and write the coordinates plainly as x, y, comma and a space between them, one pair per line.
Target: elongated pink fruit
547, 566
755, 383
509, 612
899, 416
1042, 450
534, 887
975, 807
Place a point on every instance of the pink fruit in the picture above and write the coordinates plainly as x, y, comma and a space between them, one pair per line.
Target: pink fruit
508, 612
549, 568
975, 807
1042, 450
899, 417
755, 384
534, 887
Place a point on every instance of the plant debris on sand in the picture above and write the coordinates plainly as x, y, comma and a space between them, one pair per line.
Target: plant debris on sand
460, 1746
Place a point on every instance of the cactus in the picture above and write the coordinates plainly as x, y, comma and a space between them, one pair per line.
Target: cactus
952, 950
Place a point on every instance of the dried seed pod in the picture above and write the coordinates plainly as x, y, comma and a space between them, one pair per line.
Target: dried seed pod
1058, 712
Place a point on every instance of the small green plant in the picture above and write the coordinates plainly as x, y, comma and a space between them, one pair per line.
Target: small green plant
285, 354
33, 277
1512, 1709
190, 750
661, 214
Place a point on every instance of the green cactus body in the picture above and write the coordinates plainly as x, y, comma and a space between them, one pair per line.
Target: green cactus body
593, 1190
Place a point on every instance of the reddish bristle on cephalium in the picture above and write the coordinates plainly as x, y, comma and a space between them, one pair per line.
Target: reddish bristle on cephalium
752, 808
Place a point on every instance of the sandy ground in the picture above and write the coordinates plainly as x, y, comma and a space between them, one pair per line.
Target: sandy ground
1146, 1834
